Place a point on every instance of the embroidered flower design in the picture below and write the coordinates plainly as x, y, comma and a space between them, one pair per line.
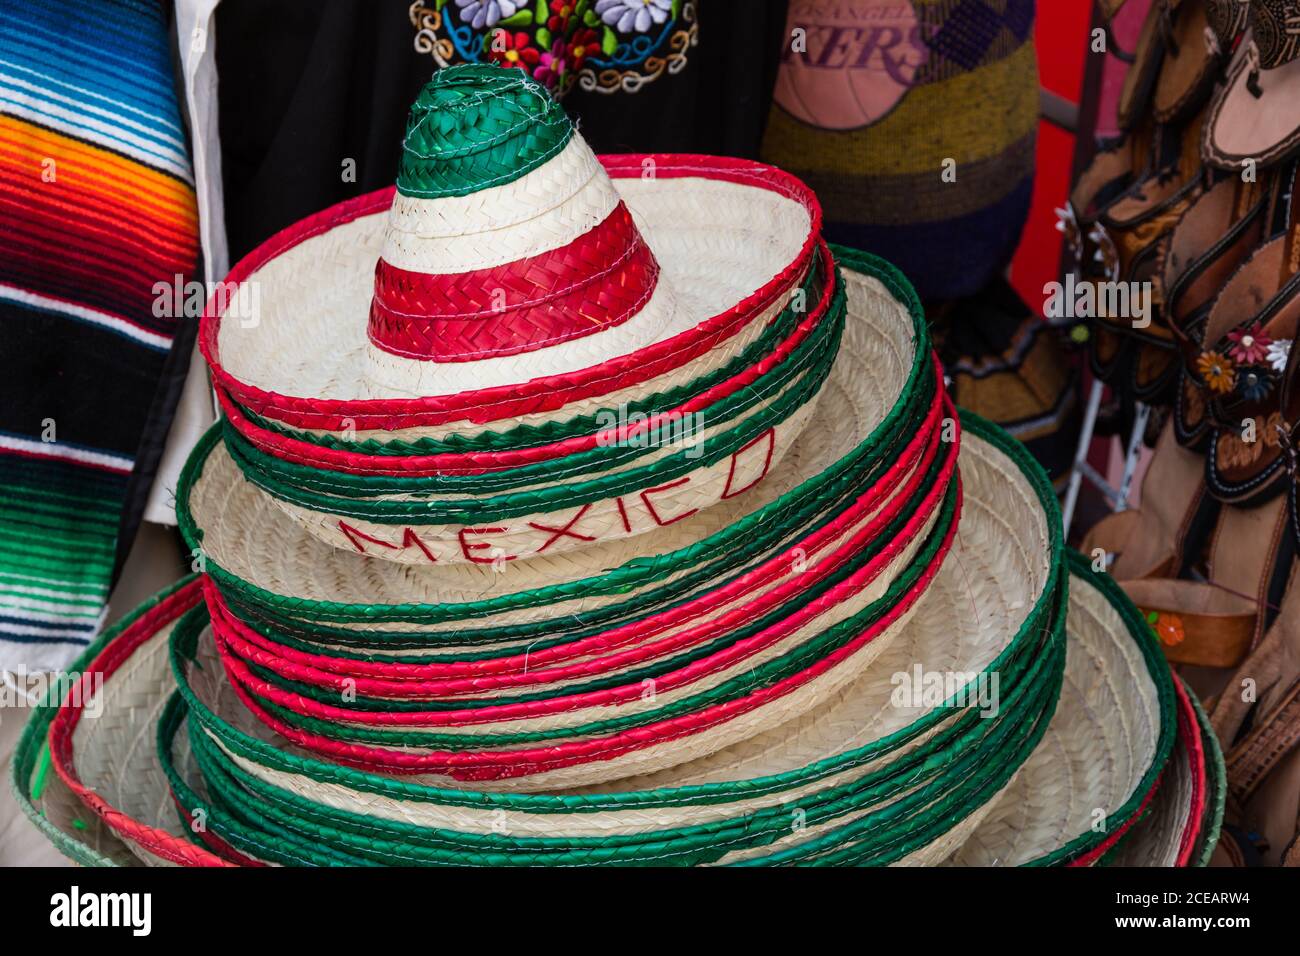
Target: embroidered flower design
553, 66
1249, 345
629, 16
558, 22
514, 49
1217, 372
1255, 384
1168, 627
585, 43
1279, 351
487, 13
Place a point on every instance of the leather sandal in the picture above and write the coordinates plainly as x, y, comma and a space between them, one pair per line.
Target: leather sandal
1246, 350
1218, 233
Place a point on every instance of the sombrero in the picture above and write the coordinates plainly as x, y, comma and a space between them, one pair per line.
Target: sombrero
803, 581
848, 660
642, 337
1182, 824
1256, 116
851, 767
1096, 770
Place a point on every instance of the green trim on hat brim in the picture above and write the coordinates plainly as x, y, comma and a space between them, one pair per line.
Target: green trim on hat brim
260, 752
32, 746
701, 843
625, 578
528, 436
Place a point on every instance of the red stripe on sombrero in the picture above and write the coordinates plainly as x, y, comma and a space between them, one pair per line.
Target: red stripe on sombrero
172, 848
642, 653
378, 678
598, 281
497, 765
494, 765
734, 653
1190, 728
536, 395
312, 455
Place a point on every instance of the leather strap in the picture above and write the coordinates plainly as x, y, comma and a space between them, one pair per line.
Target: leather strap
1272, 737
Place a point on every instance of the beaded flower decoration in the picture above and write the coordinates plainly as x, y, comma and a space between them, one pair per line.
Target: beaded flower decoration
1248, 364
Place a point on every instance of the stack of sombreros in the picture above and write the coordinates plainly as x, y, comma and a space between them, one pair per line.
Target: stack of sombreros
472, 592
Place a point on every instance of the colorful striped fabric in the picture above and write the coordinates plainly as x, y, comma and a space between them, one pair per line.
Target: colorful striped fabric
97, 219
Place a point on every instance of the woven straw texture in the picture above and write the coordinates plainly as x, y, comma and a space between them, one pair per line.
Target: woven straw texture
791, 746
720, 244
979, 641
1169, 831
253, 550
1110, 738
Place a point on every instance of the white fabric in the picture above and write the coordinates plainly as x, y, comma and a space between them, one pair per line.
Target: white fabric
196, 410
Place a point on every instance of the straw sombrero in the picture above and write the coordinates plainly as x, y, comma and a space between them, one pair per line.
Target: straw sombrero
1103, 757
850, 767
616, 658
524, 338
1096, 769
1182, 825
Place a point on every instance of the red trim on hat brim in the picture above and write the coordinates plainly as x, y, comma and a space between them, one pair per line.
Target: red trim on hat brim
159, 842
310, 454
497, 765
540, 394
386, 679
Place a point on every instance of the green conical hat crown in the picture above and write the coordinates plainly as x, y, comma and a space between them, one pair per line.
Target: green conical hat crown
477, 126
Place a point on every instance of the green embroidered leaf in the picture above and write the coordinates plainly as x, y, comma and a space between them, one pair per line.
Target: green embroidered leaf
590, 19
608, 42
441, 4
544, 38
543, 12
677, 8
521, 19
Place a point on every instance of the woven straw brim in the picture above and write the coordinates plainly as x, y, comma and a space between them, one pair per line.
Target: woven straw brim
946, 634
998, 531
1111, 736
790, 323
743, 240
891, 512
687, 710
867, 542
261, 559
694, 471
125, 816
1168, 833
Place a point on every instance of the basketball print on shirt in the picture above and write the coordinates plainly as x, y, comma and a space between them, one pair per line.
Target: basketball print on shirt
853, 62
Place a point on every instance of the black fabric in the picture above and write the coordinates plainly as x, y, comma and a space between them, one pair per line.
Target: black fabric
719, 102
153, 440
65, 371
305, 86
